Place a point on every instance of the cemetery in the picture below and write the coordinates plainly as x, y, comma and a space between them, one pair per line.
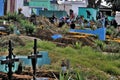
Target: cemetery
46, 47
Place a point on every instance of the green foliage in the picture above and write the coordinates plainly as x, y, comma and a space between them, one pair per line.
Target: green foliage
12, 16
46, 45
29, 27
71, 76
79, 76
87, 50
1, 21
100, 44
110, 31
110, 69
64, 29
67, 50
77, 45
11, 28
87, 61
64, 76
113, 47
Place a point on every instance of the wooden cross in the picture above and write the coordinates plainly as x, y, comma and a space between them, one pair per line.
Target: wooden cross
10, 59
33, 58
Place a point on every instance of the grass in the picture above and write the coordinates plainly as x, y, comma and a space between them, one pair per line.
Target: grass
85, 60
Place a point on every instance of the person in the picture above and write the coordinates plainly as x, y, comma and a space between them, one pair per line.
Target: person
20, 11
72, 25
81, 21
63, 66
33, 18
103, 21
61, 22
114, 23
106, 21
53, 19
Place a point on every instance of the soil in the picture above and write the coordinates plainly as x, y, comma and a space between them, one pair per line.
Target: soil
65, 40
28, 75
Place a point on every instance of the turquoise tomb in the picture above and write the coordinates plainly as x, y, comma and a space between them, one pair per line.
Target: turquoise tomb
26, 62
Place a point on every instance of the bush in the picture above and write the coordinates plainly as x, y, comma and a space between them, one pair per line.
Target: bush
77, 45
100, 44
29, 27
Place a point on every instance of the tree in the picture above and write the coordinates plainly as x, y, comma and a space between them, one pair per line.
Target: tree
115, 4
94, 3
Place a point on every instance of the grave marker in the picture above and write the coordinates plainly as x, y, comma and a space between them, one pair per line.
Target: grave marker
10, 59
33, 58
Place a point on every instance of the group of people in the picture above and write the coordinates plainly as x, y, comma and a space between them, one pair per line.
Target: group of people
70, 20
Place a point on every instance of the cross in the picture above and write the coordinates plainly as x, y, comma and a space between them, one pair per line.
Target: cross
34, 57
10, 59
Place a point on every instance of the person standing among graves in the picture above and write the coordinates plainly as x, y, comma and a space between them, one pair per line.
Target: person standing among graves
20, 11
61, 22
72, 25
81, 21
63, 66
33, 18
53, 19
114, 23
103, 21
72, 16
106, 21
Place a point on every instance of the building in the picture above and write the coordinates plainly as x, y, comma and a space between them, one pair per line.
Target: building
53, 4
88, 13
41, 4
1, 7
29, 6
38, 5
24, 5
14, 5
72, 4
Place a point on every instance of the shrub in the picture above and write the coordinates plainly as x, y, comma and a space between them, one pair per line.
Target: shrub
29, 27
77, 45
12, 16
100, 44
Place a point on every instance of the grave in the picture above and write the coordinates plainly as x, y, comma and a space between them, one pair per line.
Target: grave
9, 61
27, 62
33, 58
100, 32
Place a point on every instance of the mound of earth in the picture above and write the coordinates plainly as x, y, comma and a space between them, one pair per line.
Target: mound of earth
65, 40
16, 40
